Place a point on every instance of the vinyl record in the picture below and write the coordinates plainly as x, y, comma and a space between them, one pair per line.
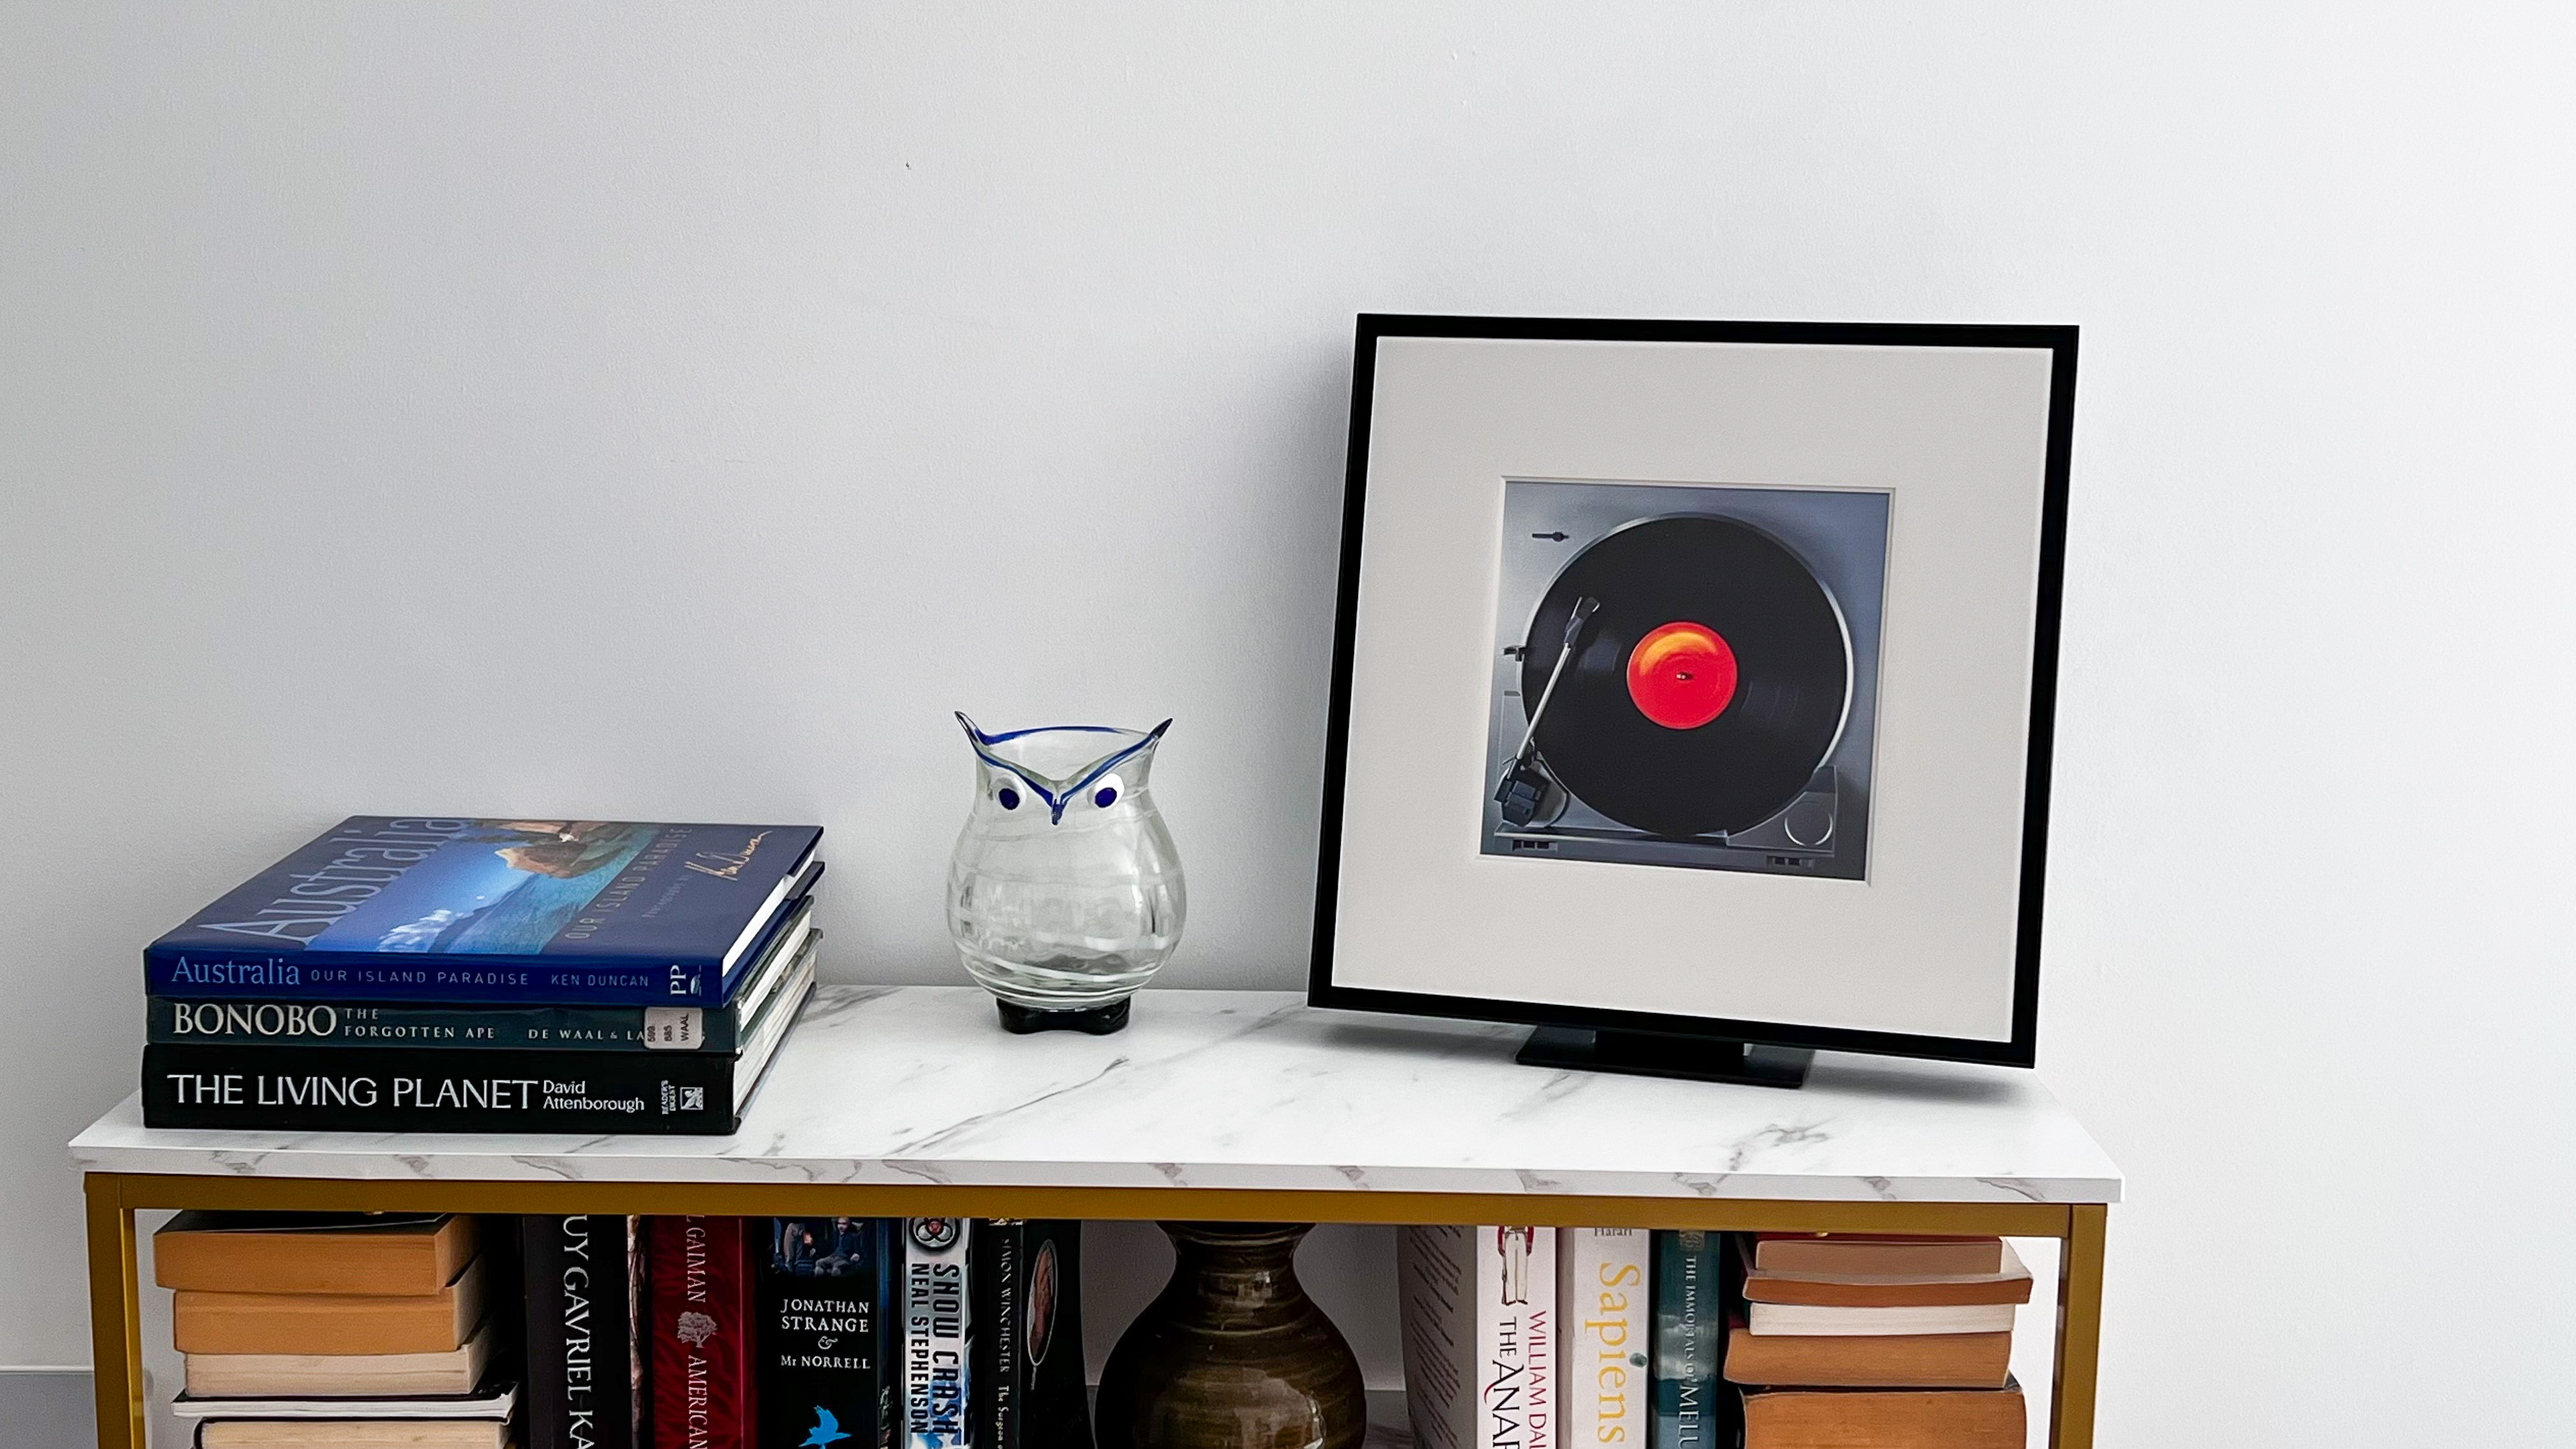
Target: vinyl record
1708, 688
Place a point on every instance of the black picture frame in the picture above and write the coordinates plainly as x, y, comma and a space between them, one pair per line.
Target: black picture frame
2021, 1050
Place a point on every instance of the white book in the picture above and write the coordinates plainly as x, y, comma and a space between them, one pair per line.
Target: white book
496, 1403
1821, 1321
1604, 1294
936, 1327
1480, 1339
353, 1434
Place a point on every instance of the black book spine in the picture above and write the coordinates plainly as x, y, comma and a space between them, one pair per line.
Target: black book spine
1027, 1377
578, 1324
827, 1359
436, 1090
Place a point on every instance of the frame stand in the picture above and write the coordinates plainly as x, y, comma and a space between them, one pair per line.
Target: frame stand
1656, 1054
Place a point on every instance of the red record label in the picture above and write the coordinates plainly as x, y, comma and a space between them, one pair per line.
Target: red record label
1681, 675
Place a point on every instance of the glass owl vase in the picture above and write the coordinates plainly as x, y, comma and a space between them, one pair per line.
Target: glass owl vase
1065, 893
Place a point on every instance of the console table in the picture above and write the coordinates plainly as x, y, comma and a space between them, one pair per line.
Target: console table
911, 1101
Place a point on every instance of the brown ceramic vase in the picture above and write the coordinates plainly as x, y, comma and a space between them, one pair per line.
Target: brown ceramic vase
1233, 1354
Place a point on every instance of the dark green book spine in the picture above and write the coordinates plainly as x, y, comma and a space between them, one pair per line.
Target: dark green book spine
1691, 1412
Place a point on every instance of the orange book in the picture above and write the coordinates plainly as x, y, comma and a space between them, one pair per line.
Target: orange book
375, 1254
1900, 1419
331, 1323
1889, 1290
1891, 1361
1876, 1253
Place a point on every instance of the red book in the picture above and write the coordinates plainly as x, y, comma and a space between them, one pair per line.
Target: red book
701, 1332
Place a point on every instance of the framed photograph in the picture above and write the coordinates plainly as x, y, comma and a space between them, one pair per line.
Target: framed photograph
1695, 678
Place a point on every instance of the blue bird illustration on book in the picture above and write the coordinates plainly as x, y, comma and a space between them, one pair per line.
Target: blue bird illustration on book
826, 1431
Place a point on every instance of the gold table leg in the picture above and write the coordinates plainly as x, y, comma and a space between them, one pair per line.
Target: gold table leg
115, 1327
2079, 1327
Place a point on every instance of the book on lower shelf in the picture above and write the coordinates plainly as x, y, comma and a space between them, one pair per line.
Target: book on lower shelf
1480, 1335
700, 1321
492, 1402
353, 1434
314, 1253
1692, 1410
343, 1375
581, 1330
825, 1335
1858, 1288
938, 1332
1896, 1361
1605, 1326
1885, 1419
1026, 1381
331, 1323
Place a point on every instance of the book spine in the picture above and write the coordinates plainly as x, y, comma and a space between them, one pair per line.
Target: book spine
639, 1334
1689, 1334
577, 1314
262, 1021
1435, 1282
201, 974
1000, 1390
429, 1090
1025, 1365
701, 1324
826, 1344
937, 1332
1516, 1338
1603, 1293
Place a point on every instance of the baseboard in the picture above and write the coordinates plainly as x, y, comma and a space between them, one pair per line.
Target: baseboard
47, 1408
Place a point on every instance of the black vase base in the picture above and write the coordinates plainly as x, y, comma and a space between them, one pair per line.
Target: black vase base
1095, 1020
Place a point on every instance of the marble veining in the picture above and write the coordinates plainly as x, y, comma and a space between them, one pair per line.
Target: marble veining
1246, 1090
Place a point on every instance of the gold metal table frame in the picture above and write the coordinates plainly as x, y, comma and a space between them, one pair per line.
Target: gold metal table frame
115, 1286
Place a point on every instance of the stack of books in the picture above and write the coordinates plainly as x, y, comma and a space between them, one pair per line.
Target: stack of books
770, 1333
416, 973
1854, 1341
320, 1332
1526, 1337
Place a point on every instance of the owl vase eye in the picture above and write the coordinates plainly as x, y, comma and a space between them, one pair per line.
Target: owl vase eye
1008, 797
1107, 790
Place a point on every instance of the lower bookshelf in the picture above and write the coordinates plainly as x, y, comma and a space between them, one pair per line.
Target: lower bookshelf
1213, 1107
115, 1198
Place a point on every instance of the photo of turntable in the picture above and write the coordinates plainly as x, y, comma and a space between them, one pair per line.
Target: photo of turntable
1686, 675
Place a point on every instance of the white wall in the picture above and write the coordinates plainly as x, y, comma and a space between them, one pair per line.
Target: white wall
675, 412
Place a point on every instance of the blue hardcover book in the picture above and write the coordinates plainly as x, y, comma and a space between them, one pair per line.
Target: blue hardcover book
418, 908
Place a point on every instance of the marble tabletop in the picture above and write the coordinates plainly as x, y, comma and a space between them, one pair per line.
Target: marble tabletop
1239, 1089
